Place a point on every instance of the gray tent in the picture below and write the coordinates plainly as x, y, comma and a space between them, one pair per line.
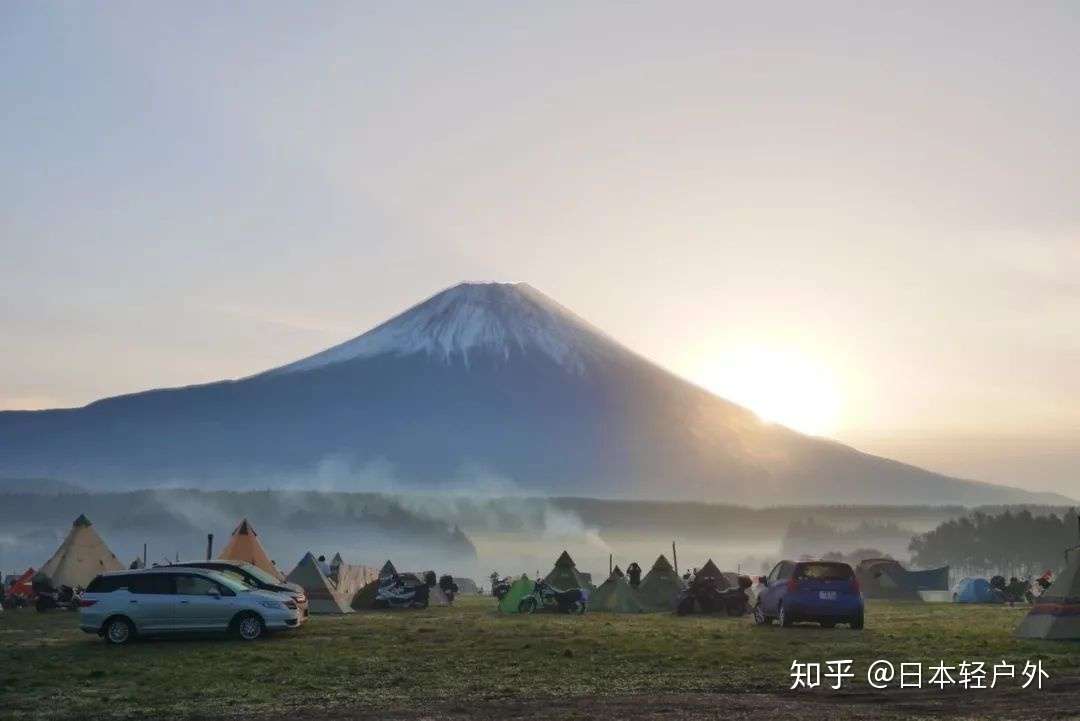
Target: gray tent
323, 595
1056, 613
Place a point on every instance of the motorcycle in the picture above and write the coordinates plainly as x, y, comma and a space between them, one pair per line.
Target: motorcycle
500, 586
396, 594
65, 598
546, 598
706, 595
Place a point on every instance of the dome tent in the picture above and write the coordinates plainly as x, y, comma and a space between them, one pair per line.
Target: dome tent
519, 589
975, 590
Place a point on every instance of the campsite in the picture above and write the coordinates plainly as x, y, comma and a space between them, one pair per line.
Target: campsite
375, 646
469, 661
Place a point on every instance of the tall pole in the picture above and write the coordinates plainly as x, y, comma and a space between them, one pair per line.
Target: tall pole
675, 558
209, 546
145, 558
609, 558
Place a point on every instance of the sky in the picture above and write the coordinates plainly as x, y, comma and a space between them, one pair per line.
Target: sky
859, 219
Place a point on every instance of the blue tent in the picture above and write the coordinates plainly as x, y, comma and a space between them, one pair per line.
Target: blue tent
975, 590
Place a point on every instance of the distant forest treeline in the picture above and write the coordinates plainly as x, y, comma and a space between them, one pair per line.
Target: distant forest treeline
1018, 543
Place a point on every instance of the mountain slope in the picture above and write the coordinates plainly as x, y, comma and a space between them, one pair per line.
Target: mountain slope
477, 382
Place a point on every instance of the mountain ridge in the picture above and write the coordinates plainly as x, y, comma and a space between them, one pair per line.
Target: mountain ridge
489, 380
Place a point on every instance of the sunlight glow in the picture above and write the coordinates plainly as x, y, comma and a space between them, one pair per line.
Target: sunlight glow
780, 385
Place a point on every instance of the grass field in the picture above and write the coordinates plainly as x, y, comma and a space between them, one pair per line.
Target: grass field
467, 661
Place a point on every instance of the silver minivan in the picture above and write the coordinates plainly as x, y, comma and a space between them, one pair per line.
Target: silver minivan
166, 600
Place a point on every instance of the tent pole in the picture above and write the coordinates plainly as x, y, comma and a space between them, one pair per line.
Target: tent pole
145, 558
675, 558
209, 546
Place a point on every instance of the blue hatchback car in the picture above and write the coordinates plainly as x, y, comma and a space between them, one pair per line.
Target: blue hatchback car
821, 591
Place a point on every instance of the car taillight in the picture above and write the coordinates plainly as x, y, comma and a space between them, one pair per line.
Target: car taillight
84, 602
792, 585
855, 588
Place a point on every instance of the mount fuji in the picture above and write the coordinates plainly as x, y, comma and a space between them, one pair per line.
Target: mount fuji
480, 381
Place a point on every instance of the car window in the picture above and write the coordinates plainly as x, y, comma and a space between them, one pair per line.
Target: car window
785, 570
107, 584
150, 583
775, 573
825, 571
196, 586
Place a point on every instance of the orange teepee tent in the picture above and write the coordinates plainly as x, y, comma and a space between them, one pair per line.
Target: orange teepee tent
244, 545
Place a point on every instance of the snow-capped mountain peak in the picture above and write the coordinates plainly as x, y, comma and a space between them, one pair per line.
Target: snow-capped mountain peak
469, 319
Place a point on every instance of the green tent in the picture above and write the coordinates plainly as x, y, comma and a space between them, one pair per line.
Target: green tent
659, 588
615, 596
518, 590
565, 574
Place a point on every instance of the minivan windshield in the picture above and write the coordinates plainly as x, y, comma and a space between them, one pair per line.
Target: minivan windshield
234, 575
230, 583
263, 576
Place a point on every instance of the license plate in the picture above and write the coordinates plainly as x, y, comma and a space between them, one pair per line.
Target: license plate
827, 595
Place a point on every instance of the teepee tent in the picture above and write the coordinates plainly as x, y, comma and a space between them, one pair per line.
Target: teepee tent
565, 576
518, 590
711, 570
244, 545
323, 596
78, 560
659, 588
387, 570
615, 596
1056, 613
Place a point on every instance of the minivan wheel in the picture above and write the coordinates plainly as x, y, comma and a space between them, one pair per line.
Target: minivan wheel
249, 626
118, 631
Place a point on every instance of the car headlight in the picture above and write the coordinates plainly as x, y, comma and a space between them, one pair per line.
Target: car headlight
267, 603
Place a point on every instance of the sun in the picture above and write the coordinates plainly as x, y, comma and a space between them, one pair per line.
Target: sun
784, 386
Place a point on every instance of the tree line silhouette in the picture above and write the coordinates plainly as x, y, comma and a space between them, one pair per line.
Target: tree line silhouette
1012, 543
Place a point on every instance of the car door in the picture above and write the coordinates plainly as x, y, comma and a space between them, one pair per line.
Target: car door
768, 594
151, 602
777, 586
202, 604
